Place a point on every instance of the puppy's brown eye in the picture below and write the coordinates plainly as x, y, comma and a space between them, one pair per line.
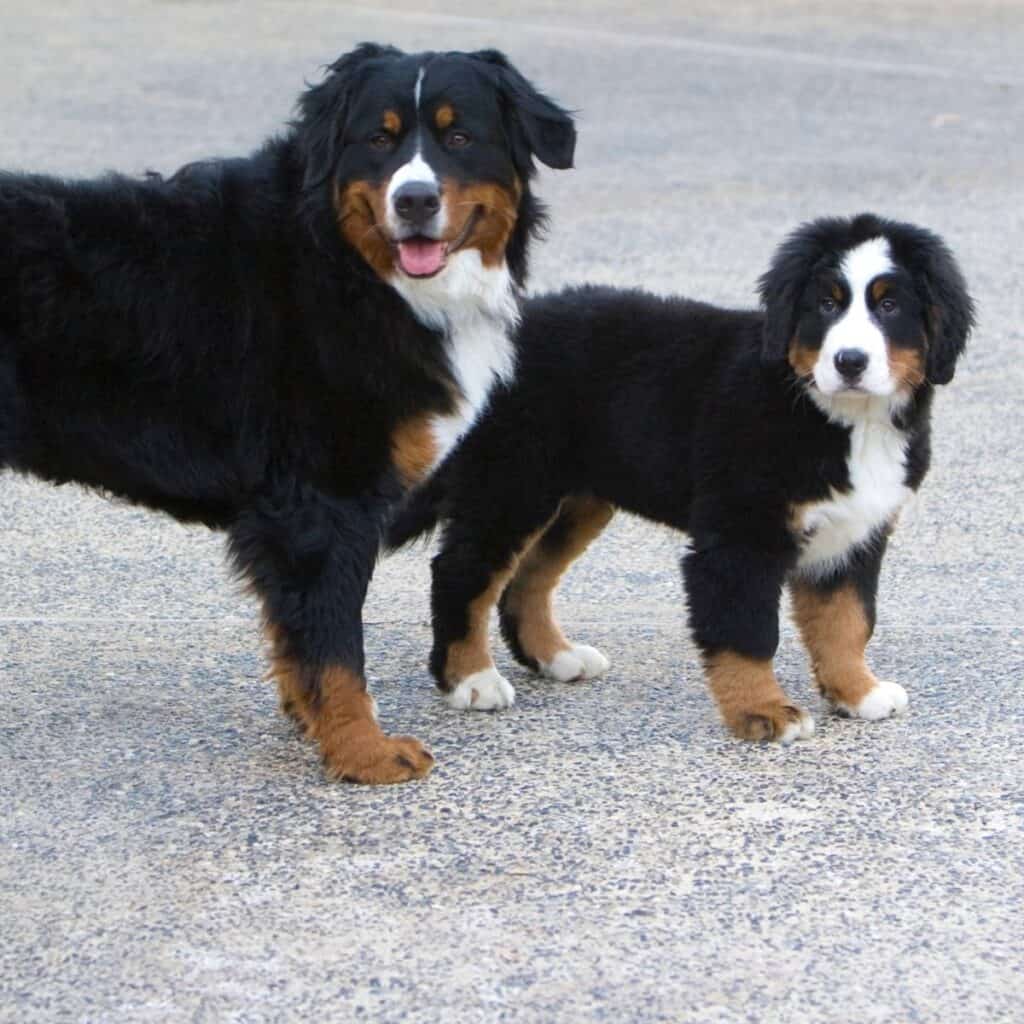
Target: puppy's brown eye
382, 141
889, 306
457, 139
828, 305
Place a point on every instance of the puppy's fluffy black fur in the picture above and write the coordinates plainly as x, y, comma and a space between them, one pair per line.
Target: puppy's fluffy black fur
721, 424
213, 345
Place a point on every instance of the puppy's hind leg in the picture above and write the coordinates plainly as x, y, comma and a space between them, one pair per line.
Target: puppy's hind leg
528, 621
476, 561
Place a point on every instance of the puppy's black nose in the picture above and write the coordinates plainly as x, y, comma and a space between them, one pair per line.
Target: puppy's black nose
417, 202
851, 362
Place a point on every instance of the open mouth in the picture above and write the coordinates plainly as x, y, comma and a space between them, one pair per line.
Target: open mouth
423, 257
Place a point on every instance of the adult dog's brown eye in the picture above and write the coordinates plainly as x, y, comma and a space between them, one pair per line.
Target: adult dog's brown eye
888, 306
828, 305
381, 141
457, 139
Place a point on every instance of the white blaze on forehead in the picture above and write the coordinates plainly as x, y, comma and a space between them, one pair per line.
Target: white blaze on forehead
857, 329
418, 91
862, 265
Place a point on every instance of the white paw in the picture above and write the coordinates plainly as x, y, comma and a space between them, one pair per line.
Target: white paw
884, 700
580, 662
482, 691
803, 729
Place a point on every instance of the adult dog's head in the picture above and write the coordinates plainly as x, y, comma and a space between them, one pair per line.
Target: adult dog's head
865, 307
427, 158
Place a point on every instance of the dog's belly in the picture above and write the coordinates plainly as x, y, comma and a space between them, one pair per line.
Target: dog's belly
832, 529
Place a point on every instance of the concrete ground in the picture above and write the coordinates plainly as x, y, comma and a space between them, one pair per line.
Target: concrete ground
168, 848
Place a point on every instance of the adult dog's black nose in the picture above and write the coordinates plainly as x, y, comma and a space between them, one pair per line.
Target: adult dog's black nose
851, 362
417, 202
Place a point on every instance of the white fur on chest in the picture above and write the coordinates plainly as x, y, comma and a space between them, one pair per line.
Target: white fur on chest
877, 470
477, 309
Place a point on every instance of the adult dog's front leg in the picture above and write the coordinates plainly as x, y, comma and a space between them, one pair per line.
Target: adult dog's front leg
836, 617
733, 594
310, 559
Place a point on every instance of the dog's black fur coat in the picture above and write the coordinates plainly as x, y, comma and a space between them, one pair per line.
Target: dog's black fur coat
209, 345
691, 416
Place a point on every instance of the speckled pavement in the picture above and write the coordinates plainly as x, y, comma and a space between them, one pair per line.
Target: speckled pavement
168, 848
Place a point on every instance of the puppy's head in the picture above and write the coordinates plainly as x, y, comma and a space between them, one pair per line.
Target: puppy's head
428, 156
865, 307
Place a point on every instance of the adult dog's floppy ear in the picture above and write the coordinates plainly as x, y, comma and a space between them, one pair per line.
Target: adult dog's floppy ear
949, 308
536, 125
323, 110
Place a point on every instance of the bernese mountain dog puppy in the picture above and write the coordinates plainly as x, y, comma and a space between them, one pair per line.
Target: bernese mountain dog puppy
277, 346
783, 441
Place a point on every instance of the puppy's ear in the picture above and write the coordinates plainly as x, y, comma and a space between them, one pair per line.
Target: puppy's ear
323, 111
781, 290
948, 306
536, 125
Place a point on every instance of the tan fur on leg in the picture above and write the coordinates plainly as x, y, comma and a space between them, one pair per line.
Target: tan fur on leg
835, 630
750, 700
339, 714
529, 598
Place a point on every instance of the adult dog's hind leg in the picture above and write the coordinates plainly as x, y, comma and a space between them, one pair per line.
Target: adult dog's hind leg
526, 608
310, 559
836, 617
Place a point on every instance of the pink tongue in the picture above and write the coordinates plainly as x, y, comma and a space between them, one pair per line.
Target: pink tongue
420, 256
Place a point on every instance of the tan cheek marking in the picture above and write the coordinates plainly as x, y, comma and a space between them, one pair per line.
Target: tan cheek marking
801, 358
528, 600
749, 698
360, 210
414, 449
835, 632
906, 366
444, 116
391, 122
499, 211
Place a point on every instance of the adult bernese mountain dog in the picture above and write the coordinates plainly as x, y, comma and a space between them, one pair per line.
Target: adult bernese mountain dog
277, 346
783, 441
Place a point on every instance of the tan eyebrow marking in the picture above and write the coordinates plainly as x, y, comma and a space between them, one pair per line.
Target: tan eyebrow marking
878, 289
391, 122
837, 292
444, 116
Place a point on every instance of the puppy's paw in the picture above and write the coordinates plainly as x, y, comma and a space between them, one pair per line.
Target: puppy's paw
376, 760
883, 701
578, 662
783, 723
488, 690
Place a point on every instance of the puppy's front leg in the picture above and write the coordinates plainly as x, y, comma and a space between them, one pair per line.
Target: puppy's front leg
310, 559
835, 613
733, 592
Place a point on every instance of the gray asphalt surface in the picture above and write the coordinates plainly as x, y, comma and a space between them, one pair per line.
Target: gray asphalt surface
168, 848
